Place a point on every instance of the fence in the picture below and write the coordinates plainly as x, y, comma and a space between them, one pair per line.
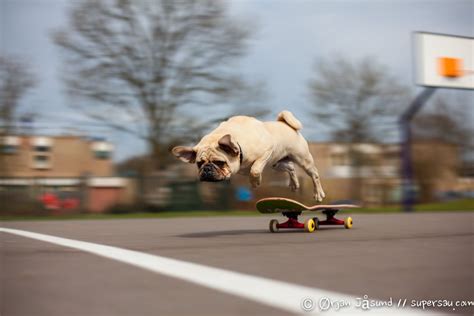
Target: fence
41, 196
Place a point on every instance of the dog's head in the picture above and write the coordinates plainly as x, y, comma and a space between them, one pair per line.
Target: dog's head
217, 157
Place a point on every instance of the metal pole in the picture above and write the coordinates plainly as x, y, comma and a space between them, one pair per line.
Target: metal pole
408, 186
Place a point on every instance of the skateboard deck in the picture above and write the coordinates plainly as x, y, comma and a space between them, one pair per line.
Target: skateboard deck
280, 205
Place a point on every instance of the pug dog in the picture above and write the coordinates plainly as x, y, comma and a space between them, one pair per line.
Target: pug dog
245, 145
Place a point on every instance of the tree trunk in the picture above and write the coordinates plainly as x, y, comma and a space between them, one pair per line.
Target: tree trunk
157, 156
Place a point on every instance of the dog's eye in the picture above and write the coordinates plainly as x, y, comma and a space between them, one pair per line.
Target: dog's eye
220, 164
199, 164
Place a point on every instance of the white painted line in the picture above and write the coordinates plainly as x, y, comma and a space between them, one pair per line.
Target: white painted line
278, 294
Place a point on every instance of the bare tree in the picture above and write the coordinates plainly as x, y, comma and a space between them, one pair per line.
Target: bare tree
16, 79
151, 67
355, 98
450, 121
359, 101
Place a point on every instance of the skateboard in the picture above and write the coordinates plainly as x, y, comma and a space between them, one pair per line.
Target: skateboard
292, 209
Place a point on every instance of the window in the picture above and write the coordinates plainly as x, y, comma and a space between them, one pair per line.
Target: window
9, 145
41, 144
102, 150
102, 154
42, 148
41, 162
9, 149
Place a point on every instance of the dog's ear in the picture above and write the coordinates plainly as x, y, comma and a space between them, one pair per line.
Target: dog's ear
228, 145
186, 154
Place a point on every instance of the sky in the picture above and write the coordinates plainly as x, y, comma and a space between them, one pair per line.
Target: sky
290, 37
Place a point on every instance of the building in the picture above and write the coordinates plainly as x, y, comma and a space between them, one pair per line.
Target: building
58, 156
61, 172
370, 172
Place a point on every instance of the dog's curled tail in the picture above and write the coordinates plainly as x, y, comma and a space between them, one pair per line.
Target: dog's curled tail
288, 118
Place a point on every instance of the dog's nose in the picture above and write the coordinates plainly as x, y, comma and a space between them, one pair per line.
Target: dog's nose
207, 168
207, 176
206, 171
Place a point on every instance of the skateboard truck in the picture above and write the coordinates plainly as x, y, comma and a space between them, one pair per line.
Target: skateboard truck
330, 219
292, 221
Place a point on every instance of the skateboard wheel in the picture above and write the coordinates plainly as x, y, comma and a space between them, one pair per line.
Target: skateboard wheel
309, 225
316, 223
273, 226
348, 223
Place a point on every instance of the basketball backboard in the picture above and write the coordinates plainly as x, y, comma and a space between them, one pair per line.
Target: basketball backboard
444, 60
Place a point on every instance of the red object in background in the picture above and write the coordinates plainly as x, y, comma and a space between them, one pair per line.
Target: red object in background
50, 201
70, 203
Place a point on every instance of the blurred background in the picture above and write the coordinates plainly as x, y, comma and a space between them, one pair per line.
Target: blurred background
93, 94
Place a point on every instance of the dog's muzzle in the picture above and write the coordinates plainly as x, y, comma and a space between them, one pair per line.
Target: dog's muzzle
209, 173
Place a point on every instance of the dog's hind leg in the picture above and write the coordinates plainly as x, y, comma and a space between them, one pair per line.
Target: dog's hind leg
286, 165
307, 163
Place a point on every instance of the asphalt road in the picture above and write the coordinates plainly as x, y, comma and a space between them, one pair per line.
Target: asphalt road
400, 256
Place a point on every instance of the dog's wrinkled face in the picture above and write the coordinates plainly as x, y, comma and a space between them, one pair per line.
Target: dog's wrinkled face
216, 158
212, 167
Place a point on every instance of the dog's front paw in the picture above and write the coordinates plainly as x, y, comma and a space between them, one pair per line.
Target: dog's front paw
255, 180
294, 186
319, 196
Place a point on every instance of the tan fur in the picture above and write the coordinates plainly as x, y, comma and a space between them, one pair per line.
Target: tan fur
277, 144
288, 118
